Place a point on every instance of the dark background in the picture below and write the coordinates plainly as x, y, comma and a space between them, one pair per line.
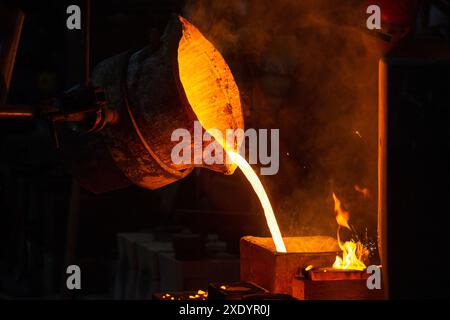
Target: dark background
35, 188
318, 101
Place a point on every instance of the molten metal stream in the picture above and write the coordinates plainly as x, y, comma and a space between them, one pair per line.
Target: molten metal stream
210, 87
263, 198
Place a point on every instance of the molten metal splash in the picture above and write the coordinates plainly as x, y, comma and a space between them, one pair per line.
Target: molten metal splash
351, 251
263, 198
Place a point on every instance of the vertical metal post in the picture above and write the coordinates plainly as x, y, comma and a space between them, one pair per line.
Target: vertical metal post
87, 42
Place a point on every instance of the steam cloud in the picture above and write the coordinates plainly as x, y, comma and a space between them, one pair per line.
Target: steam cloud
308, 68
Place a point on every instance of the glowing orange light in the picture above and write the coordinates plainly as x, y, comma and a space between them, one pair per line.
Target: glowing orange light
214, 97
309, 267
351, 251
263, 198
342, 216
364, 191
208, 83
351, 257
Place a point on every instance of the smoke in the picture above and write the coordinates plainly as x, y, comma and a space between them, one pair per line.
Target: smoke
308, 68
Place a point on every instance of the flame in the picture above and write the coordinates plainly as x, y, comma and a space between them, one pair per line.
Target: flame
342, 216
263, 198
351, 251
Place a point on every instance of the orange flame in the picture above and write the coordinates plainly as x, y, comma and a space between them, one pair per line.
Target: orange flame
351, 251
342, 216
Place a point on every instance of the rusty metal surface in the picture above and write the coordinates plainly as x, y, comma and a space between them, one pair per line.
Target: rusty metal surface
334, 290
276, 271
114, 157
123, 141
330, 274
144, 92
